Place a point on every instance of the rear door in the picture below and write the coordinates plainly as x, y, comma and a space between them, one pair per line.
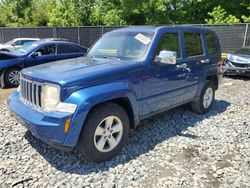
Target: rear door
66, 51
201, 53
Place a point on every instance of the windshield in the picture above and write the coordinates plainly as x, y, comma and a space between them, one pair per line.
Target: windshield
243, 51
10, 42
25, 49
122, 45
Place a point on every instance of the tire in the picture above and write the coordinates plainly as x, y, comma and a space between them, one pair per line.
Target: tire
12, 77
99, 140
200, 106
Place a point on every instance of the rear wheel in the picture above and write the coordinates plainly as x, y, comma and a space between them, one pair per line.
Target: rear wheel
206, 99
104, 132
12, 77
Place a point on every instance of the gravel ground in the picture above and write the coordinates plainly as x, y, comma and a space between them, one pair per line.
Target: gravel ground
174, 149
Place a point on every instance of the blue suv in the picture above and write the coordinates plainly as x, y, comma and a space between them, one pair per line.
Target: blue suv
129, 74
32, 54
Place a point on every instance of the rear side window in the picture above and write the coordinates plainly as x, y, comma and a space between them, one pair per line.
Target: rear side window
67, 49
169, 42
211, 43
193, 44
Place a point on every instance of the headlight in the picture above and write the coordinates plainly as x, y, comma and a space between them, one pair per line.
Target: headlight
51, 100
50, 97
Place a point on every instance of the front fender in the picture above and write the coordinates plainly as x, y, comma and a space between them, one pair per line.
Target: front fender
89, 97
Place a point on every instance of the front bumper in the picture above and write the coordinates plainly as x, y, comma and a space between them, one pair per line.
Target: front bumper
229, 69
48, 127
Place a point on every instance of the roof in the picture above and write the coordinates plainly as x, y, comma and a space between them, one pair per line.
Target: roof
16, 39
158, 28
52, 42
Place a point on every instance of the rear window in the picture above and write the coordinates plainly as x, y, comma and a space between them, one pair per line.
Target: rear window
67, 49
193, 44
211, 43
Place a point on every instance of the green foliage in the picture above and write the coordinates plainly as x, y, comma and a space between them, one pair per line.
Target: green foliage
219, 16
19, 13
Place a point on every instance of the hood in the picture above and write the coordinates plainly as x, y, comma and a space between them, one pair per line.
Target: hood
9, 60
7, 55
5, 46
237, 58
79, 72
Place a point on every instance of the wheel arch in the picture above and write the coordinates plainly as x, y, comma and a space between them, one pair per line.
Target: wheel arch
214, 79
90, 98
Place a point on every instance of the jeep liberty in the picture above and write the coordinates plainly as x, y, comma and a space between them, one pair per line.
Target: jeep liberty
128, 75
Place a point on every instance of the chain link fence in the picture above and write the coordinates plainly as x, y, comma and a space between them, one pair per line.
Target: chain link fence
231, 36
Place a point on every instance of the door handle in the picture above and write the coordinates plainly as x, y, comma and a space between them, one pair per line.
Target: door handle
205, 61
182, 66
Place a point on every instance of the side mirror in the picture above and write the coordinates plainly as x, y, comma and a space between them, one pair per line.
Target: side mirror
166, 57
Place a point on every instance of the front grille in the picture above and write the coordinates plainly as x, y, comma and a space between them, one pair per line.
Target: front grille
31, 92
241, 65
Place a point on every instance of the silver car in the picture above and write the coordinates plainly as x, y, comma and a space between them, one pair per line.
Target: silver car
238, 63
16, 43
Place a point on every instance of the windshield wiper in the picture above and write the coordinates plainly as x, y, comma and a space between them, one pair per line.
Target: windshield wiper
110, 57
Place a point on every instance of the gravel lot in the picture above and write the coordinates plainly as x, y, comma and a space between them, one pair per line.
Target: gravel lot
174, 149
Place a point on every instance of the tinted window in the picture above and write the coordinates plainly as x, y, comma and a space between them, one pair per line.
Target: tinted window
48, 50
169, 42
211, 44
193, 44
67, 49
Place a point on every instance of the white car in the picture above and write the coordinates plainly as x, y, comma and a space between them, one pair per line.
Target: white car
16, 43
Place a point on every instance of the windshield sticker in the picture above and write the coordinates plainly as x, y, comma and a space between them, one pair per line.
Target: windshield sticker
107, 51
143, 39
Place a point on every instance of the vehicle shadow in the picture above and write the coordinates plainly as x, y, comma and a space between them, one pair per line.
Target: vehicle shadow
151, 132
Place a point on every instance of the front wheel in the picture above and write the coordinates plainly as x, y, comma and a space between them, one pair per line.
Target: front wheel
12, 77
205, 100
104, 132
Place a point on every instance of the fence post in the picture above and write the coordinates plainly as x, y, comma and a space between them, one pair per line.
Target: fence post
36, 31
18, 32
79, 37
54, 32
245, 37
3, 36
102, 30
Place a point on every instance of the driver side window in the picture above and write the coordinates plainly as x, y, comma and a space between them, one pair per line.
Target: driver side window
47, 50
169, 42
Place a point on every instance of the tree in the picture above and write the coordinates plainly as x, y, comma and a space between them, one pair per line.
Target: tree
219, 16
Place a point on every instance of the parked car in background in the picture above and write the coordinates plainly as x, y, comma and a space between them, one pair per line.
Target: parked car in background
35, 53
16, 43
128, 75
238, 62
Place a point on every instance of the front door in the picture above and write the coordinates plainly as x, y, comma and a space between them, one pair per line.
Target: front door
167, 85
46, 54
